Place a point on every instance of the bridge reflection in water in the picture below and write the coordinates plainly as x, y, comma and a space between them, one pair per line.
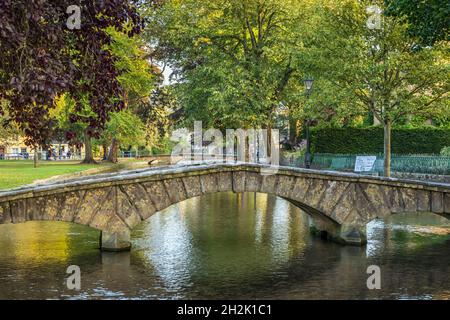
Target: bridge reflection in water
227, 245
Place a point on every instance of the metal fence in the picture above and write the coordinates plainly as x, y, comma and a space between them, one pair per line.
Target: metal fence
427, 164
42, 155
135, 154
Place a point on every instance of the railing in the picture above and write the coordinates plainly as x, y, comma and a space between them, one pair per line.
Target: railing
135, 154
42, 155
427, 164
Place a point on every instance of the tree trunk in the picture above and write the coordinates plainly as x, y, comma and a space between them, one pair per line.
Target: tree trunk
88, 155
35, 157
387, 148
247, 149
113, 151
269, 142
105, 151
293, 131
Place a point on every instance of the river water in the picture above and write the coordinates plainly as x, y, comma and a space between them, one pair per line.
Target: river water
228, 246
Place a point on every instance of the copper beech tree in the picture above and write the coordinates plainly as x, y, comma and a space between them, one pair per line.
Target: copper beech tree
41, 58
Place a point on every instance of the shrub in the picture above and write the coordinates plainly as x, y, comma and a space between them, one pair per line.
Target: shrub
445, 151
426, 140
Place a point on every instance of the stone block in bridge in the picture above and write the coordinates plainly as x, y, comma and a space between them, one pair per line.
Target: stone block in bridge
115, 241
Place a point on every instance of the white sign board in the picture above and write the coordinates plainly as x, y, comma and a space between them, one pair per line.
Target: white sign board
364, 164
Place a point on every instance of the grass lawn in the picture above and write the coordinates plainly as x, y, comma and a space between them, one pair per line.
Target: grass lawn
21, 172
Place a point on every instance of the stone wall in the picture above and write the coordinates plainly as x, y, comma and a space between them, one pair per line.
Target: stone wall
422, 177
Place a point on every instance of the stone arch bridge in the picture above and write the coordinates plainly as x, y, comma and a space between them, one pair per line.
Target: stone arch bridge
340, 204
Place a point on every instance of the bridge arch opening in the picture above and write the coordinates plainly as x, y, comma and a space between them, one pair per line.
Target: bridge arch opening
318, 224
254, 202
246, 230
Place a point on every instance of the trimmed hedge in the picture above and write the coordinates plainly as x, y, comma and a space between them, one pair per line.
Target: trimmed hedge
428, 140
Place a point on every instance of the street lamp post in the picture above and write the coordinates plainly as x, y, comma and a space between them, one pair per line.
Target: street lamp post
308, 88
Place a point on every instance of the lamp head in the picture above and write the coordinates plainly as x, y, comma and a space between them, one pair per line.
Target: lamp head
308, 84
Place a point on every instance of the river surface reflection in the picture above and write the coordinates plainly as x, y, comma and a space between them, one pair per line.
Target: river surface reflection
228, 246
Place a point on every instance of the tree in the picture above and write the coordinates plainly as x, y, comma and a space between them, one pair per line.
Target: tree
63, 115
98, 92
137, 78
33, 64
42, 58
9, 130
137, 75
158, 115
380, 67
429, 20
125, 128
232, 59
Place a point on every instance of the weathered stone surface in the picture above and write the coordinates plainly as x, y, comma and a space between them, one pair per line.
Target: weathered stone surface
321, 224
175, 189
105, 212
409, 199
53, 204
395, 200
5, 215
126, 210
35, 208
43, 208
138, 196
115, 241
299, 190
70, 204
158, 194
92, 201
423, 201
18, 211
447, 203
239, 181
284, 186
115, 224
437, 202
224, 181
192, 186
376, 195
315, 192
331, 196
345, 211
209, 183
324, 227
253, 181
269, 184
363, 205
